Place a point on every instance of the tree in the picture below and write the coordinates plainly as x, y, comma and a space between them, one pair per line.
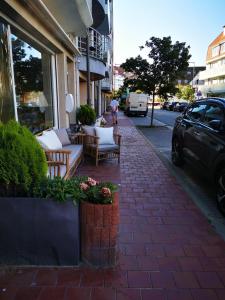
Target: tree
185, 92
168, 62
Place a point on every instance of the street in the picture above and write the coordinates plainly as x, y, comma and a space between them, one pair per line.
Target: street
201, 191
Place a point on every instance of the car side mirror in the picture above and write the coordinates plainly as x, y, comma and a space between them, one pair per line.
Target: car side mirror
215, 124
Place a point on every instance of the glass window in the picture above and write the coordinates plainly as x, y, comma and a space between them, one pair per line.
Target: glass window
32, 75
215, 51
196, 111
213, 112
7, 111
222, 48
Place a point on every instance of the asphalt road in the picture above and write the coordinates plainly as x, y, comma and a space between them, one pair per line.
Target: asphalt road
201, 191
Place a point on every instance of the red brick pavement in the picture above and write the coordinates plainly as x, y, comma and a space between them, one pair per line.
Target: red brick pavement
168, 250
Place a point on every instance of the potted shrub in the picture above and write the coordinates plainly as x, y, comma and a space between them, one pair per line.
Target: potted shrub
86, 115
32, 228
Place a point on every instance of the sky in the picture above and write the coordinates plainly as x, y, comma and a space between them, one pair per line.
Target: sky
195, 22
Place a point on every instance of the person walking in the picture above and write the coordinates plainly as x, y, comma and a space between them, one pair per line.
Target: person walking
114, 108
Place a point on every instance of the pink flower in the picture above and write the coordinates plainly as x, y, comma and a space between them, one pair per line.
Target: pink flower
91, 181
84, 186
106, 192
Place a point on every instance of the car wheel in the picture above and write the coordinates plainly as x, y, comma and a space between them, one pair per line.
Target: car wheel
220, 191
177, 157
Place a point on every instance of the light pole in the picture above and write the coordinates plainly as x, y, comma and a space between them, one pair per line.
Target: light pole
88, 68
193, 72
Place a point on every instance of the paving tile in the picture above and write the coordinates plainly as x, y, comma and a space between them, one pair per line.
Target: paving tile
148, 263
103, 294
220, 294
115, 278
179, 294
78, 293
193, 251
56, 293
46, 277
27, 293
168, 264
91, 278
213, 251
69, 277
209, 280
8, 293
138, 279
162, 279
174, 250
185, 280
128, 294
153, 294
204, 294
190, 264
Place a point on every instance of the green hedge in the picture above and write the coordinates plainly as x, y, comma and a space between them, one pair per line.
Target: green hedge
22, 160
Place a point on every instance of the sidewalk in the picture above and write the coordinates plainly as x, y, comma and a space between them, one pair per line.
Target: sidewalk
168, 250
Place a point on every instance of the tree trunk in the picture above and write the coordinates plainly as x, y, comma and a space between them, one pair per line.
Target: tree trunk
153, 106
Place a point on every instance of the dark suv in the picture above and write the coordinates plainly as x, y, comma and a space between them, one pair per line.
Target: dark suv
199, 137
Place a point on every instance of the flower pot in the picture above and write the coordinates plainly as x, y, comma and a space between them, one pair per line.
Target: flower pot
99, 233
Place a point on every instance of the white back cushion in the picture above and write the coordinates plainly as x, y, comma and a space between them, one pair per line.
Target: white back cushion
105, 135
49, 140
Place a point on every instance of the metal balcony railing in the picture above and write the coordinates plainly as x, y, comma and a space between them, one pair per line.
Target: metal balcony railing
98, 44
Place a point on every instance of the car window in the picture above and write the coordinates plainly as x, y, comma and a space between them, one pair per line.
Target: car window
213, 112
196, 111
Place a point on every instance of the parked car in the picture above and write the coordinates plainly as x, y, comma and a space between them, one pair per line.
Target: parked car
199, 137
171, 105
164, 105
180, 106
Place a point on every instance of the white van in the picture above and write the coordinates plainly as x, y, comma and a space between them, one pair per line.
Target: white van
137, 104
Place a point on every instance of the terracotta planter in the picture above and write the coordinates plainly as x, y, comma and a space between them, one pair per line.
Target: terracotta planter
99, 233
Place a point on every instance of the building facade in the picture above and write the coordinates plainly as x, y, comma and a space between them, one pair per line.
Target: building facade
96, 62
40, 60
214, 75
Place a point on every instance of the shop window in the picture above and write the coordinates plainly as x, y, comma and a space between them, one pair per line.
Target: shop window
32, 76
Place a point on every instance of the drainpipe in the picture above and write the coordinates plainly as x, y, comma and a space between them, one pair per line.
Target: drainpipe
88, 68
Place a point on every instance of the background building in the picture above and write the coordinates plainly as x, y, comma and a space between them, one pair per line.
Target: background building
214, 75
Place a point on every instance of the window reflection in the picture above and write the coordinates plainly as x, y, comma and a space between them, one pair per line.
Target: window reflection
6, 93
32, 74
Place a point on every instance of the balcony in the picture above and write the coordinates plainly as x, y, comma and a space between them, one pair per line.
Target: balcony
212, 73
74, 16
96, 54
106, 85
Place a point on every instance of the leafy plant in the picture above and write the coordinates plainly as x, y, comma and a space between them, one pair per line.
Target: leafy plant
22, 160
86, 115
77, 189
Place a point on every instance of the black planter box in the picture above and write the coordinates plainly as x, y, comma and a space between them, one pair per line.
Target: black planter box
36, 231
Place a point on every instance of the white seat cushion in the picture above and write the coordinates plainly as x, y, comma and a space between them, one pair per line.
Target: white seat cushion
63, 136
49, 140
105, 147
76, 151
105, 135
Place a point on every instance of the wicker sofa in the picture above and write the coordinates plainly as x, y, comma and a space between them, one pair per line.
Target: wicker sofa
63, 155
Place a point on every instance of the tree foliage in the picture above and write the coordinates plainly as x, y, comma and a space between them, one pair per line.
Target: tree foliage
158, 76
185, 92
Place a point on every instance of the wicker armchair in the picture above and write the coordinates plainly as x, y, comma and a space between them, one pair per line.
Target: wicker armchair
100, 152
